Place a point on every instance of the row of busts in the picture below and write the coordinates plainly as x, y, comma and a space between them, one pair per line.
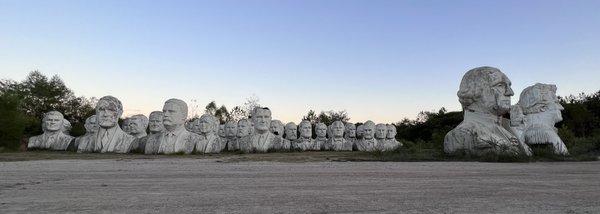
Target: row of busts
169, 133
485, 95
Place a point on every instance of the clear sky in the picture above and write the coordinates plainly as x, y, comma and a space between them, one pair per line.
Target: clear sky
379, 60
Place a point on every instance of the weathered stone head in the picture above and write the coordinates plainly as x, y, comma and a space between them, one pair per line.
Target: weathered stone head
221, 130
276, 127
155, 122
91, 125
291, 131
350, 130
485, 90
175, 112
125, 125
337, 129
230, 129
321, 130
261, 118
53, 122
369, 130
108, 110
305, 129
66, 127
391, 131
207, 123
360, 131
540, 102
244, 127
380, 131
137, 125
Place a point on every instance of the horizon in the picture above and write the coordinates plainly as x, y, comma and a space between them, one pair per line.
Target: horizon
378, 60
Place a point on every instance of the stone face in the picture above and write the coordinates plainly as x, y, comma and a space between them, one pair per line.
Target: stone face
262, 139
243, 130
305, 141
368, 142
110, 137
360, 131
485, 96
321, 133
87, 142
155, 126
137, 125
209, 141
536, 113
175, 138
54, 137
390, 142
337, 142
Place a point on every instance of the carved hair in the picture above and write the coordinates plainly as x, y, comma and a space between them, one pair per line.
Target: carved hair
111, 102
212, 120
473, 83
142, 118
535, 98
181, 104
156, 113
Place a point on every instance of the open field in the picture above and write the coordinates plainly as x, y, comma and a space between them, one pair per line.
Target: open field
303, 182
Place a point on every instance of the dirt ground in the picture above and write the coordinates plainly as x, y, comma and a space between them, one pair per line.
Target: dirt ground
317, 182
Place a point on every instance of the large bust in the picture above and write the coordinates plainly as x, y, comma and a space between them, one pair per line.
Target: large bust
390, 139
175, 138
336, 141
485, 96
209, 141
540, 110
244, 127
230, 135
350, 132
53, 137
321, 133
110, 137
262, 139
137, 127
155, 126
277, 129
291, 134
305, 141
368, 142
87, 142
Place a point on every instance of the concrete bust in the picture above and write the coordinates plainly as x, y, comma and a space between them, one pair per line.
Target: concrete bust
336, 141
262, 139
110, 137
175, 138
541, 110
54, 137
305, 141
321, 133
155, 126
368, 142
87, 142
209, 141
485, 96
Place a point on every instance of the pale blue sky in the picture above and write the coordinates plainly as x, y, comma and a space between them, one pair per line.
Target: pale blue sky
379, 60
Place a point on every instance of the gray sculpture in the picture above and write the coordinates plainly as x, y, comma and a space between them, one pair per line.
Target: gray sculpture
230, 135
155, 126
87, 142
336, 141
209, 141
221, 130
305, 141
53, 137
360, 131
125, 126
390, 142
243, 131
175, 138
485, 96
291, 135
368, 142
262, 140
321, 133
137, 125
278, 130
110, 137
66, 127
540, 110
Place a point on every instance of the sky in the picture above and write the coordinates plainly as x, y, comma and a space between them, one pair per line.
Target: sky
378, 60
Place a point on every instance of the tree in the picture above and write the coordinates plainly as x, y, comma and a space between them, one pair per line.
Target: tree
327, 117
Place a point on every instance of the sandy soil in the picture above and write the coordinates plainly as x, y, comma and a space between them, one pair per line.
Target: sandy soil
222, 183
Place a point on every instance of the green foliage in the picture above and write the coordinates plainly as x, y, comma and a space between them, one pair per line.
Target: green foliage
35, 96
327, 117
12, 122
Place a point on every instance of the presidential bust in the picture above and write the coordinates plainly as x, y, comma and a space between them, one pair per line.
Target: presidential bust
305, 141
336, 141
53, 137
137, 127
350, 132
155, 126
86, 143
390, 139
368, 142
262, 139
485, 96
541, 110
278, 130
110, 137
244, 127
175, 138
209, 141
291, 134
230, 135
321, 133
